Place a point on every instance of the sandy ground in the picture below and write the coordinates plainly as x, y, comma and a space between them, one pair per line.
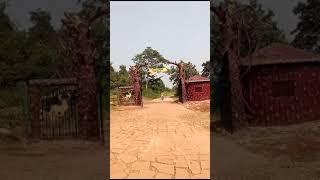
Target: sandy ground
274, 153
61, 160
161, 140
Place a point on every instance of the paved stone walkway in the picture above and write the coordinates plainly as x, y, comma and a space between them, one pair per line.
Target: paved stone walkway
159, 141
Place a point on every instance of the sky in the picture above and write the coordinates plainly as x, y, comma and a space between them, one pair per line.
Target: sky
19, 10
19, 13
177, 30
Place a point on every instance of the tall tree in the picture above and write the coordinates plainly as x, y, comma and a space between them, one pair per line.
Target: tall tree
206, 69
100, 39
113, 78
42, 28
307, 32
190, 70
5, 23
123, 76
238, 30
149, 58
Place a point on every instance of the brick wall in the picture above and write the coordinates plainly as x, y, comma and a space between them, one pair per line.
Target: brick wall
193, 95
303, 106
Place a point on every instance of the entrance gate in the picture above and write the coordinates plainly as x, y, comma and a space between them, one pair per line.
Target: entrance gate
59, 113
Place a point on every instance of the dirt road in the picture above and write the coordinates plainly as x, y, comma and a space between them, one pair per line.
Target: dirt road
61, 160
273, 153
160, 140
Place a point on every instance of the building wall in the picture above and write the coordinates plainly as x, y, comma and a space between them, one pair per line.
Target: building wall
302, 106
192, 95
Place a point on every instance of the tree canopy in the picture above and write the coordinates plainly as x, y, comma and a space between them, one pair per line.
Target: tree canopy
190, 70
307, 32
259, 29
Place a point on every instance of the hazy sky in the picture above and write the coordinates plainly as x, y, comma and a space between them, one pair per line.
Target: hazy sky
19, 10
178, 30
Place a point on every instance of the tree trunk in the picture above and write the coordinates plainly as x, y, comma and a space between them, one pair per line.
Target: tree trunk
183, 96
88, 112
230, 37
237, 105
135, 76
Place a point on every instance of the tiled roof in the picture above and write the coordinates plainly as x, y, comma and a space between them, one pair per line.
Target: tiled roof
197, 78
279, 54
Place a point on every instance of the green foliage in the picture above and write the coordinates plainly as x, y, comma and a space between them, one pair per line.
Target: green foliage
156, 93
25, 55
156, 84
259, 30
5, 23
307, 32
150, 93
120, 78
99, 33
149, 58
206, 69
190, 70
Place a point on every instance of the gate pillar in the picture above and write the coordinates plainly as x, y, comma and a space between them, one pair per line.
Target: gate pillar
35, 113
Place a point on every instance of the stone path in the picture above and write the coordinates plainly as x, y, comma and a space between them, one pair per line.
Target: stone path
161, 141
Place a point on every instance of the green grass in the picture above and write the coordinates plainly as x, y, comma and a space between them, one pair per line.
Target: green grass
12, 114
10, 97
154, 94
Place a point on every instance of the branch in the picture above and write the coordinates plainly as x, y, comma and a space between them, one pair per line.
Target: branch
171, 62
219, 12
101, 11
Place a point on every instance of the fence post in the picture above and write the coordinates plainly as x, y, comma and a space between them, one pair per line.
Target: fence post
26, 103
35, 106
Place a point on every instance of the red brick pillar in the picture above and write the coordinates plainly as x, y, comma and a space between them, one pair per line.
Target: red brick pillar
35, 112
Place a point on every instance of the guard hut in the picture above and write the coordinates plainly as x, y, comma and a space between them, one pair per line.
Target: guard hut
198, 88
282, 85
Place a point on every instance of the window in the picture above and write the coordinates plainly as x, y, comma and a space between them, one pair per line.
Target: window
198, 89
282, 88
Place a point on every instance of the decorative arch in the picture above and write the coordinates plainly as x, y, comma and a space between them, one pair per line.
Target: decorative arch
135, 76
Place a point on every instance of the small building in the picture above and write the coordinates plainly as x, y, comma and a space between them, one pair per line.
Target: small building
198, 88
282, 84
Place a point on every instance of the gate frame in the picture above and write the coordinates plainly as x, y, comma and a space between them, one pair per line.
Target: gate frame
120, 93
34, 87
134, 72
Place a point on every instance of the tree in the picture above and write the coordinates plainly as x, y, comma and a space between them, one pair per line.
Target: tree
26, 55
41, 47
83, 53
123, 76
189, 71
5, 22
42, 28
206, 69
156, 84
113, 78
307, 32
149, 58
240, 29
100, 36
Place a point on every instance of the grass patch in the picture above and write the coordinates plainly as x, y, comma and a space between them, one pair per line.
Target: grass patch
154, 94
12, 112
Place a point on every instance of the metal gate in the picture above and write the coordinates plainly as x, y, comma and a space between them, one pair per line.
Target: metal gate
126, 95
59, 112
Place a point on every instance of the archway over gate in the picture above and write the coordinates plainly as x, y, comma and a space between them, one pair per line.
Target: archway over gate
135, 75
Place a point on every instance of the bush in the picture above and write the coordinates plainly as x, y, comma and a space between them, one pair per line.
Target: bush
150, 93
12, 112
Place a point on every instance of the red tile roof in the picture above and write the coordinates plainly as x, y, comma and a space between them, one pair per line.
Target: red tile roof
279, 54
197, 78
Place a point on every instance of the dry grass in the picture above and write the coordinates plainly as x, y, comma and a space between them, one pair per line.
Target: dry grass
299, 143
202, 106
